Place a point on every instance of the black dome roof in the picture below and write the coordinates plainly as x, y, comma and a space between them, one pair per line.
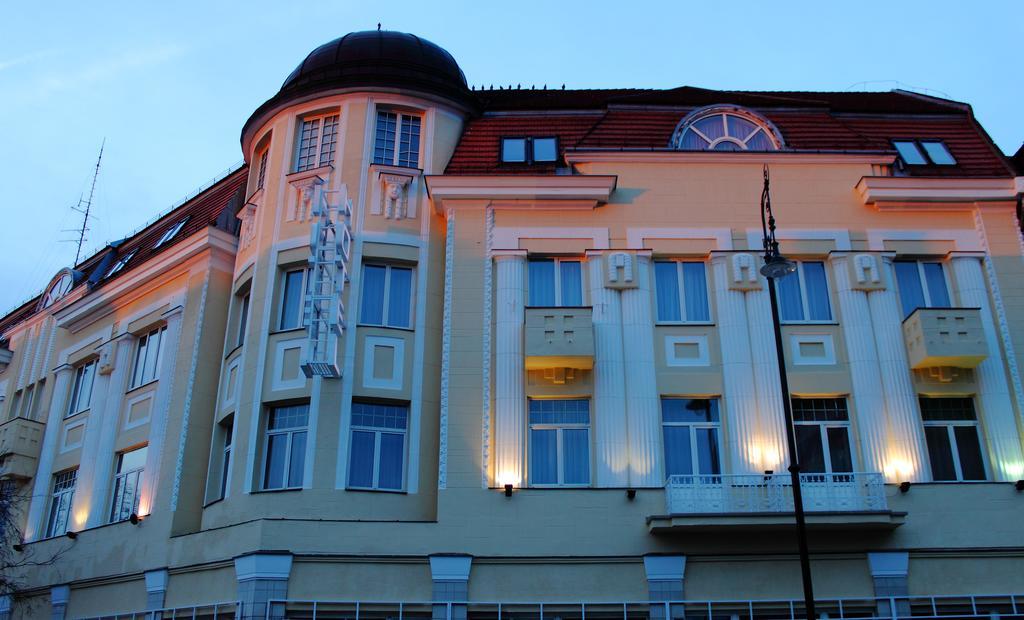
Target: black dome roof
380, 58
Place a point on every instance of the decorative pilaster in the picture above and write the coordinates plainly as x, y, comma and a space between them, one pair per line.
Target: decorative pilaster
161, 403
59, 597
740, 399
156, 588
764, 357
509, 388
1000, 427
862, 355
905, 460
262, 577
449, 575
889, 572
35, 526
642, 404
94, 474
611, 449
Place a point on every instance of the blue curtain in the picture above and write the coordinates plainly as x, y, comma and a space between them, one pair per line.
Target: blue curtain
678, 458
392, 451
400, 298
543, 456
372, 309
273, 474
791, 306
817, 292
360, 467
937, 291
572, 283
666, 284
695, 289
908, 279
707, 451
576, 456
542, 283
296, 464
291, 304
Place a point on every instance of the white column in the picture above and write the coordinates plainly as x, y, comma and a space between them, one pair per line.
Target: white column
905, 460
1000, 423
740, 398
91, 500
771, 418
858, 334
643, 411
35, 526
509, 364
611, 448
161, 403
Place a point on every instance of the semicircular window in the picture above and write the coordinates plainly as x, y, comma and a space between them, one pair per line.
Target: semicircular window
718, 130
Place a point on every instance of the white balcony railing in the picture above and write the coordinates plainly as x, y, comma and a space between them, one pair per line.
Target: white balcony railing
767, 493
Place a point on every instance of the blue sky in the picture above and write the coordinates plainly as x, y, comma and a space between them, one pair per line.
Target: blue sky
170, 84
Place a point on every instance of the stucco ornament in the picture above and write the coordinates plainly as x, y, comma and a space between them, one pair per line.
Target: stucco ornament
106, 361
247, 233
743, 273
395, 196
867, 275
620, 270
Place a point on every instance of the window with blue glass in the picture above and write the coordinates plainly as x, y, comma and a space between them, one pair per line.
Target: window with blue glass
397, 140
387, 296
922, 284
953, 437
555, 282
803, 295
822, 427
284, 450
559, 442
681, 292
690, 428
378, 446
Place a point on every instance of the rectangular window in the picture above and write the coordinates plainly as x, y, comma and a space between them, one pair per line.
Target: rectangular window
559, 442
243, 319
171, 232
291, 299
285, 448
822, 428
227, 432
952, 434
922, 284
377, 453
147, 357
690, 431
81, 391
60, 503
127, 481
397, 140
318, 137
938, 153
513, 150
555, 282
387, 296
681, 291
529, 150
910, 153
924, 152
803, 296
120, 264
261, 175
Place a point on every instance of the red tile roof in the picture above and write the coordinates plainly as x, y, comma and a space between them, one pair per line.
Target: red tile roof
646, 119
212, 206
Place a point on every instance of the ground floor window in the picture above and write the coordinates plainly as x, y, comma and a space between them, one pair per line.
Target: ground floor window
559, 442
951, 432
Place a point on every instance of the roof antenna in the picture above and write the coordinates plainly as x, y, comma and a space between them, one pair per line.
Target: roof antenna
85, 206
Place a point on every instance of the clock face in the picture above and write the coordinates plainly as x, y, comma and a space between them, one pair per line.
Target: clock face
59, 289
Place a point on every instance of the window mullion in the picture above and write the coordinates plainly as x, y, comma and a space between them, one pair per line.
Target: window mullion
825, 452
954, 451
560, 478
924, 284
558, 281
803, 293
376, 459
682, 295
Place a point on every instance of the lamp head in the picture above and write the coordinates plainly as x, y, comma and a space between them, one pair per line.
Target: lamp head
777, 266
508, 489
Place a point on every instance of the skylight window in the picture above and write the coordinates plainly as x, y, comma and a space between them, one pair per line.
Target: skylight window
120, 264
171, 233
529, 150
924, 152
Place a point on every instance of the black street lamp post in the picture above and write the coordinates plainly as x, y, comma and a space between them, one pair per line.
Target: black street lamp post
778, 266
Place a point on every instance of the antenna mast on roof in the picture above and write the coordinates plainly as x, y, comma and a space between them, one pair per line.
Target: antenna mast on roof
85, 206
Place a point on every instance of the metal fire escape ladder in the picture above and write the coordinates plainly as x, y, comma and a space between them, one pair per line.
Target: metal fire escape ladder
330, 244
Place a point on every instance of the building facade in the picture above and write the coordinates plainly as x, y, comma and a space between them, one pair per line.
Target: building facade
451, 352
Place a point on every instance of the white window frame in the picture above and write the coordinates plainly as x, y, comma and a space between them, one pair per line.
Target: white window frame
261, 169
804, 300
740, 141
560, 457
400, 118
300, 322
317, 144
377, 432
955, 449
682, 293
57, 498
923, 280
119, 477
694, 456
172, 232
267, 433
138, 378
227, 440
119, 265
75, 404
558, 279
244, 308
386, 304
823, 426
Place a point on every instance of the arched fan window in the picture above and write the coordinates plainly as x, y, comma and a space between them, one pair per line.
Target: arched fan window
726, 128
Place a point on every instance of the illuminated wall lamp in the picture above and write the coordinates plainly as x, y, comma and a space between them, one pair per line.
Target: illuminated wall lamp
508, 489
135, 519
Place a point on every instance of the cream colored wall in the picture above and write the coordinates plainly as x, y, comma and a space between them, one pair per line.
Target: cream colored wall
97, 600
201, 585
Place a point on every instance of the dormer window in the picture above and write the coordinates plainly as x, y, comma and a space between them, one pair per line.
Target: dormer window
120, 264
397, 140
924, 152
529, 150
318, 136
171, 232
726, 128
